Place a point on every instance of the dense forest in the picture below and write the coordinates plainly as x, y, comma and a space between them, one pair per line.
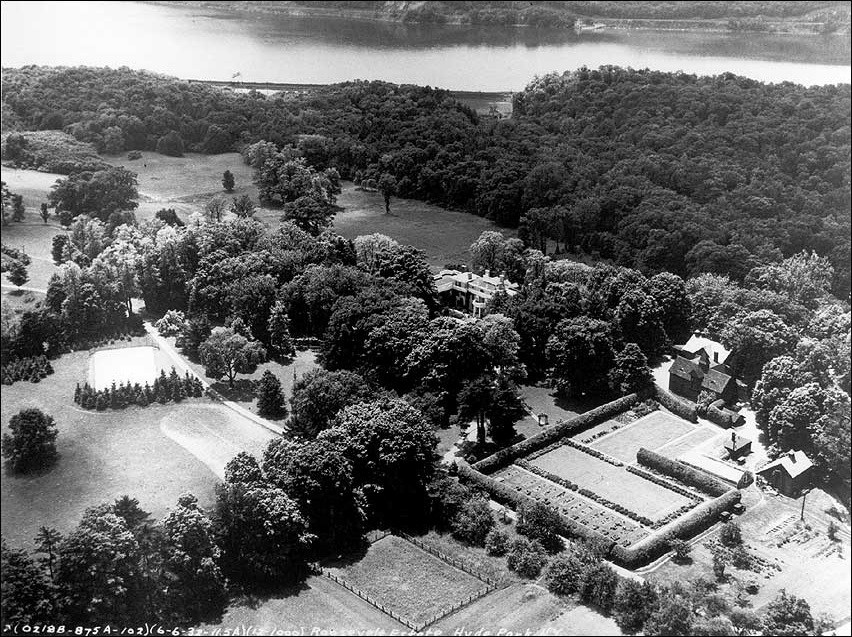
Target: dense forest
750, 15
656, 171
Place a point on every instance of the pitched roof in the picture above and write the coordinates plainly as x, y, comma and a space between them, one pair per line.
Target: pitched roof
715, 381
686, 369
697, 343
794, 463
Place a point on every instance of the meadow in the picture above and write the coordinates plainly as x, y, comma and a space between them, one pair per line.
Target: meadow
404, 578
102, 456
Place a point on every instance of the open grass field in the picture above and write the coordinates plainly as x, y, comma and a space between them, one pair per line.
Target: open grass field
102, 456
444, 235
415, 584
318, 607
651, 431
187, 183
525, 609
613, 483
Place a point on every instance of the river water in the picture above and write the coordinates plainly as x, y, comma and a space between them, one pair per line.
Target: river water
200, 44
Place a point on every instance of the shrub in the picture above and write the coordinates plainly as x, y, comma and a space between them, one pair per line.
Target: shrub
566, 572
473, 522
31, 443
731, 535
134, 154
540, 523
172, 323
526, 558
32, 369
496, 542
681, 549
598, 586
741, 558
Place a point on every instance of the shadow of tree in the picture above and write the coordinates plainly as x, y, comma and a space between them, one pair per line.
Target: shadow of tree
242, 391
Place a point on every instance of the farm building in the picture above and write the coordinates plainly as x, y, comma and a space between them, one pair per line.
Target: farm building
471, 292
722, 470
703, 365
737, 446
789, 474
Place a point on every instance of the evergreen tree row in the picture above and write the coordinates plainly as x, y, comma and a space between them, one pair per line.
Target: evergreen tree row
164, 389
31, 368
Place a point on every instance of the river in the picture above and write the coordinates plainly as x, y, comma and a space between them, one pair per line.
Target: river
200, 44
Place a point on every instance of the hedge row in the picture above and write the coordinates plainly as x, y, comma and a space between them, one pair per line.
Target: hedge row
31, 368
506, 495
702, 517
556, 432
663, 483
165, 389
641, 519
641, 553
681, 472
721, 417
600, 455
679, 406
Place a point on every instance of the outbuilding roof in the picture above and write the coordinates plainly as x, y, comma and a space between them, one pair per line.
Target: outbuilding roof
686, 369
696, 343
795, 463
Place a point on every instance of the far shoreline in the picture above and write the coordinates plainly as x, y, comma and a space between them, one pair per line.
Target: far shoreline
689, 25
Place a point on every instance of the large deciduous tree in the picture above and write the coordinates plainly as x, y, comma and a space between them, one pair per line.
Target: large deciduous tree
31, 443
392, 451
581, 354
226, 354
98, 193
196, 587
320, 394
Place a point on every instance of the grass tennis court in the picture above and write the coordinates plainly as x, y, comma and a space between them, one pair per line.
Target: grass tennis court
652, 432
409, 581
613, 483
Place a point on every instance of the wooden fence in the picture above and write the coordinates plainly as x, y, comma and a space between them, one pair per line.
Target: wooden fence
490, 585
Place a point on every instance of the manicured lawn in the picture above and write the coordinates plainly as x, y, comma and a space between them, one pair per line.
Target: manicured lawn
651, 431
319, 606
214, 434
613, 483
406, 579
696, 438
444, 235
102, 456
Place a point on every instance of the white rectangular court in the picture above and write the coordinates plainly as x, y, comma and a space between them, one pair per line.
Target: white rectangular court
127, 365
